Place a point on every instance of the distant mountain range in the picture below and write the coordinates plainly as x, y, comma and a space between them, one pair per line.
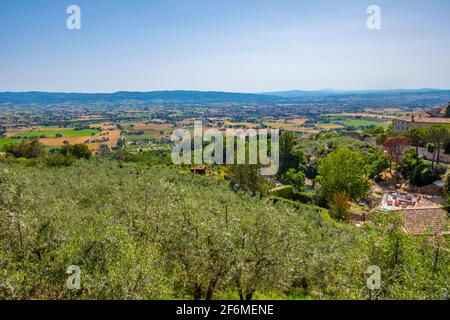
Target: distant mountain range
333, 92
153, 96
362, 98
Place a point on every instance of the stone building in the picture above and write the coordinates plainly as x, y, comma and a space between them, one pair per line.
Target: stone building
421, 119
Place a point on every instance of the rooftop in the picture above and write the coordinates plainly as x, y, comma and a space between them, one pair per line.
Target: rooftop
426, 120
426, 221
437, 115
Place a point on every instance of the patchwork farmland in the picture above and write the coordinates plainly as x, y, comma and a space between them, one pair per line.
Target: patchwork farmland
106, 134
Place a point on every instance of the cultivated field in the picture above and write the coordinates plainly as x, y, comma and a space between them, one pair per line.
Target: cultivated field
328, 126
362, 115
246, 125
150, 126
58, 137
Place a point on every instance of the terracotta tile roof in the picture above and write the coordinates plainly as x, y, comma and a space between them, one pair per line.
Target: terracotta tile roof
436, 115
425, 120
426, 221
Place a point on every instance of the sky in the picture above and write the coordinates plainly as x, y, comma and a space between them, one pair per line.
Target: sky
223, 45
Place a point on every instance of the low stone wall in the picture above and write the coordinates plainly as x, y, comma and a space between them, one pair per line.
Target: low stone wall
444, 158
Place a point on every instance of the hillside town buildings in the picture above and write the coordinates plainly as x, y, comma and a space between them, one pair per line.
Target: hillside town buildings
422, 119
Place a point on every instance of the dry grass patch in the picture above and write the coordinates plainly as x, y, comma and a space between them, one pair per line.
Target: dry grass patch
246, 125
299, 122
152, 126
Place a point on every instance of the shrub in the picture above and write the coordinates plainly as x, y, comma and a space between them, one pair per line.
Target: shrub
59, 160
409, 162
424, 174
78, 151
295, 179
303, 197
286, 192
447, 147
418, 171
381, 139
440, 170
26, 149
340, 206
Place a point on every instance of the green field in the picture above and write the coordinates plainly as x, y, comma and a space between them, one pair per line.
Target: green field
323, 124
366, 123
145, 138
6, 141
359, 122
285, 126
48, 134
63, 132
148, 136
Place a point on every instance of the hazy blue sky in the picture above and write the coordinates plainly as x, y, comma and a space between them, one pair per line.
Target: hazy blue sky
229, 45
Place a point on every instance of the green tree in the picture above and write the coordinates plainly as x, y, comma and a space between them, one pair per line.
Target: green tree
381, 139
395, 148
436, 135
376, 130
410, 162
424, 174
78, 151
340, 206
246, 177
59, 160
104, 150
26, 149
291, 157
295, 179
343, 171
418, 171
416, 135
376, 163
